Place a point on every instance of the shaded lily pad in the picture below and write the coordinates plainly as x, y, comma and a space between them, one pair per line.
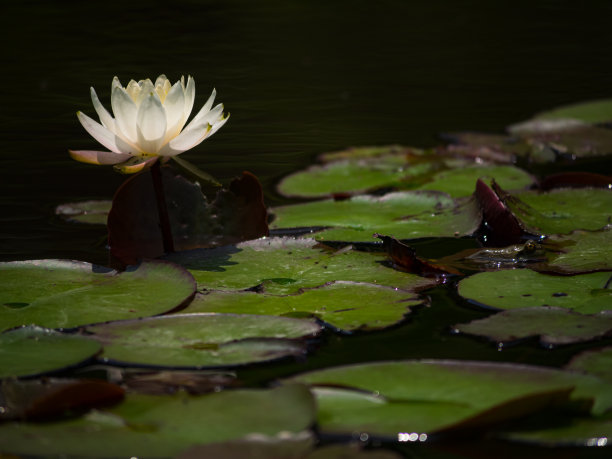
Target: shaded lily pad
344, 305
404, 215
553, 325
164, 426
596, 362
31, 351
202, 340
523, 288
369, 152
284, 265
561, 211
92, 212
428, 397
579, 252
59, 293
590, 432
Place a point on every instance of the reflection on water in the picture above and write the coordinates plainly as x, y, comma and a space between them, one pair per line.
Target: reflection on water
298, 77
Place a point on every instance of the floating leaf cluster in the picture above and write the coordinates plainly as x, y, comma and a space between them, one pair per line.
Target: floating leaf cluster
174, 334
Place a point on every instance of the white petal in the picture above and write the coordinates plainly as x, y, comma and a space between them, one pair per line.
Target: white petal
146, 88
217, 125
203, 111
186, 140
99, 157
116, 83
151, 124
107, 120
133, 90
174, 105
189, 97
104, 136
125, 111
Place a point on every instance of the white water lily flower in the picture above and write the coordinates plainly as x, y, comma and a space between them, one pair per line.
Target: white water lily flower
148, 122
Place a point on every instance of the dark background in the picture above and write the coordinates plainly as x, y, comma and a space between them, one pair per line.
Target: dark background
299, 77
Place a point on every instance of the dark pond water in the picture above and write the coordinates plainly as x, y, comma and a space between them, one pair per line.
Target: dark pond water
299, 78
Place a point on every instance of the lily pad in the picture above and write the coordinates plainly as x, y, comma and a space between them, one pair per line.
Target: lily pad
580, 252
596, 362
404, 215
285, 265
553, 325
461, 181
31, 351
589, 112
164, 426
523, 288
92, 212
65, 294
344, 305
566, 432
369, 152
350, 176
430, 396
562, 211
202, 340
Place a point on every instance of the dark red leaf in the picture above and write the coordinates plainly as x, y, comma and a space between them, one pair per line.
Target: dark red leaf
134, 233
405, 257
502, 226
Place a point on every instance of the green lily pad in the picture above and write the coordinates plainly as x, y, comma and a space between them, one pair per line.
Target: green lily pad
65, 294
580, 252
431, 396
202, 340
164, 426
523, 288
589, 432
553, 325
344, 305
404, 215
461, 181
350, 176
562, 211
92, 212
591, 112
285, 265
596, 362
31, 351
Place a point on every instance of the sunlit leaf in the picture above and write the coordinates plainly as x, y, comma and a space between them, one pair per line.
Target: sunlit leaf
523, 288
59, 293
344, 305
285, 265
405, 215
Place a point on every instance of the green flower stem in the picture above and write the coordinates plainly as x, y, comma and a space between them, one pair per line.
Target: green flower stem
162, 208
